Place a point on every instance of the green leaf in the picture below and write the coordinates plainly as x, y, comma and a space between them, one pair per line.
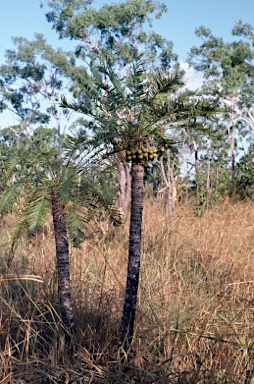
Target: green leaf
8, 197
37, 208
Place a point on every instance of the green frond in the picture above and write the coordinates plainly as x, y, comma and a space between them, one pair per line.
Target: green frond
8, 197
113, 77
36, 208
85, 108
9, 167
88, 205
19, 228
139, 105
67, 188
76, 218
160, 84
99, 208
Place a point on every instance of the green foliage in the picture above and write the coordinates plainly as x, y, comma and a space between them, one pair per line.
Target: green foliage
36, 207
31, 170
134, 108
230, 64
32, 76
229, 74
245, 175
116, 30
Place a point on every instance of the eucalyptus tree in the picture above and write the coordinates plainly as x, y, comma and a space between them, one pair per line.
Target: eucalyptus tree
118, 31
229, 72
168, 174
245, 175
130, 114
205, 154
114, 30
30, 81
42, 183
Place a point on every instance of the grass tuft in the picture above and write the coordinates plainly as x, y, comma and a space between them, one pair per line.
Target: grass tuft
195, 311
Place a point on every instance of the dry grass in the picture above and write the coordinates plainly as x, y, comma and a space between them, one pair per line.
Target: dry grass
196, 303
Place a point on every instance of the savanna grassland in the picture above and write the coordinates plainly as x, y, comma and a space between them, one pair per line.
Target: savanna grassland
195, 321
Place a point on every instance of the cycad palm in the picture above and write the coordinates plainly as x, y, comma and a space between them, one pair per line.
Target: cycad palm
42, 182
130, 114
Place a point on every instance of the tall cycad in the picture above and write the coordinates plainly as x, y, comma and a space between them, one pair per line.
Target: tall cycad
130, 116
44, 183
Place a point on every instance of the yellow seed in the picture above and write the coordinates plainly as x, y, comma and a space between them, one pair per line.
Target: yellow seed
129, 158
128, 153
139, 151
140, 156
133, 151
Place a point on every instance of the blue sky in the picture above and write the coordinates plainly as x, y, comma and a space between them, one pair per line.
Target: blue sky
25, 17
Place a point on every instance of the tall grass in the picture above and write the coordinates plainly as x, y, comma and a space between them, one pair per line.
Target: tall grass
195, 320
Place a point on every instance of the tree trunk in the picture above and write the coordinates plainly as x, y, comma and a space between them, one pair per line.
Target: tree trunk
63, 267
124, 186
129, 309
196, 169
168, 177
232, 152
208, 185
155, 181
171, 187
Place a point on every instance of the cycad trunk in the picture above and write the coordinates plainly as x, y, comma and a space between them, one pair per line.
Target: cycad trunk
63, 267
129, 309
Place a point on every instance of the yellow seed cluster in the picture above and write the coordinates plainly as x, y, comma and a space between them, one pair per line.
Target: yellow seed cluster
143, 154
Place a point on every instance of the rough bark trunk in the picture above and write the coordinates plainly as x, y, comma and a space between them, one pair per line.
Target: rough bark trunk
124, 186
63, 267
155, 181
129, 309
